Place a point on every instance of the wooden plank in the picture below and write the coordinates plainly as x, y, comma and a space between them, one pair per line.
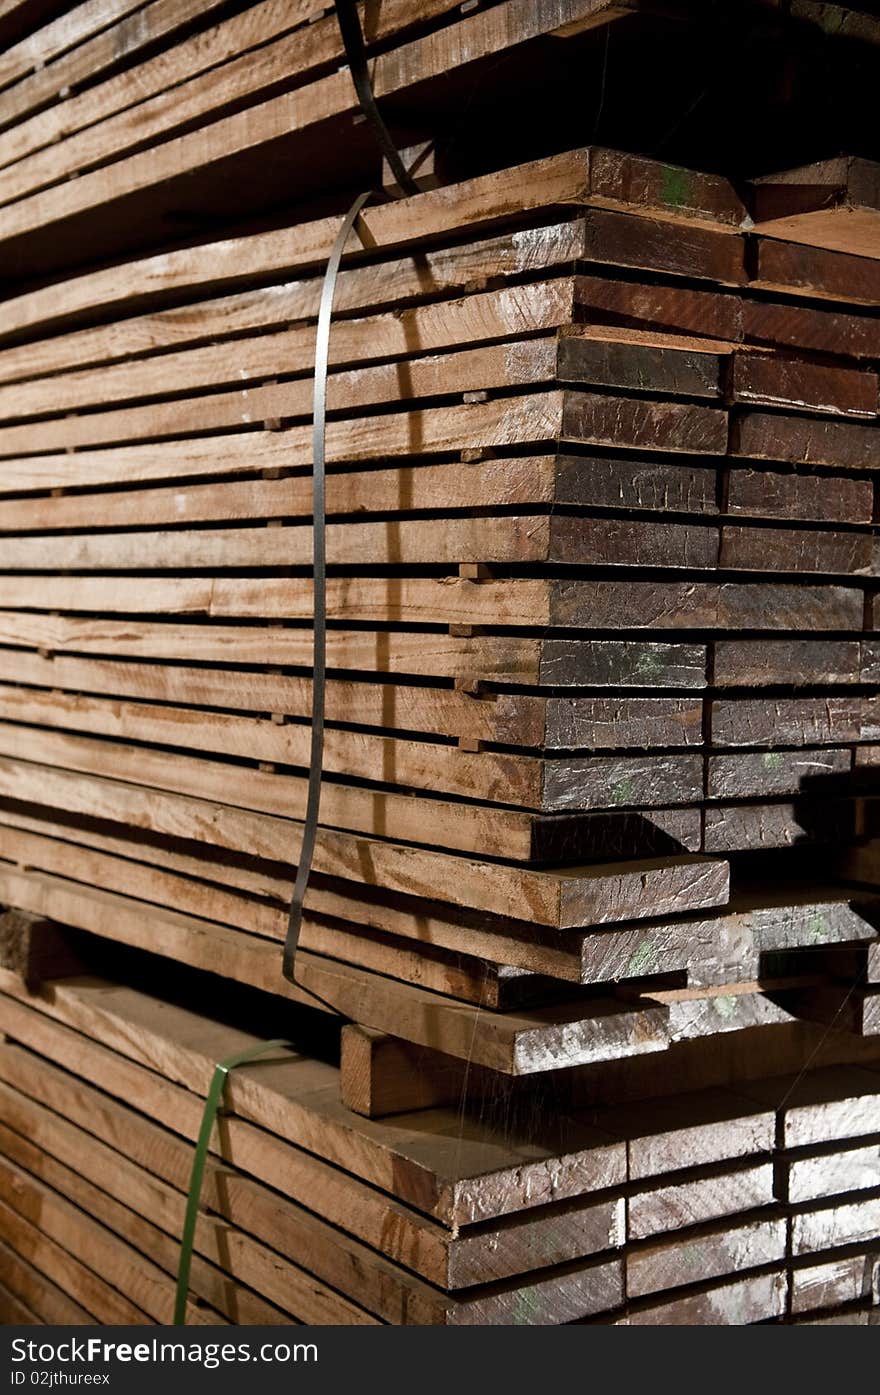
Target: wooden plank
228, 1265
35, 949
844, 1279
478, 36
834, 203
830, 1174
665, 1207
32, 1288
381, 1075
781, 916
601, 541
805, 498
806, 821
699, 1128
84, 1203
55, 38
604, 178
510, 540
816, 272
711, 1253
389, 815
841, 1223
588, 957
433, 272
526, 602
518, 1043
507, 718
775, 380
805, 440
439, 325
765, 773
670, 308
89, 59
800, 551
89, 1240
761, 663
564, 783
14, 1311
736, 1304
55, 1263
390, 1291
821, 1106
559, 897
422, 1159
643, 243
809, 328
556, 663
784, 721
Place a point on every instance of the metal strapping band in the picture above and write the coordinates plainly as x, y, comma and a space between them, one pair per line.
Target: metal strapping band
355, 52
319, 551
353, 41
209, 1114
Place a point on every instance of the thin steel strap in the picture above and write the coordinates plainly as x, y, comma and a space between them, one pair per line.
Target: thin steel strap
319, 552
355, 52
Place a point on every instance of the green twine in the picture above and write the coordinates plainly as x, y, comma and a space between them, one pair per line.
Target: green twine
212, 1103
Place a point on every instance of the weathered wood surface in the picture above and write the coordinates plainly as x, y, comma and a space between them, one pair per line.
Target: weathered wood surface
840, 1223
696, 1129
599, 605
846, 1279
165, 876
515, 1043
735, 1304
666, 1207
711, 1253
822, 1106
831, 1173
835, 204
422, 1159
384, 1288
759, 663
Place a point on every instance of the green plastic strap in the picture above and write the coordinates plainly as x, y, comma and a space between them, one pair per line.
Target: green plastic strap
212, 1104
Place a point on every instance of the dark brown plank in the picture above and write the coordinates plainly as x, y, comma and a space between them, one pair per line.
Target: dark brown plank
702, 605
816, 271
620, 239
775, 380
602, 482
800, 550
620, 663
639, 367
806, 498
763, 773
620, 421
805, 440
785, 721
761, 663
672, 308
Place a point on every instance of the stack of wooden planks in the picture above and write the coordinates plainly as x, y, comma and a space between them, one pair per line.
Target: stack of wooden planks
598, 617
599, 808
729, 1205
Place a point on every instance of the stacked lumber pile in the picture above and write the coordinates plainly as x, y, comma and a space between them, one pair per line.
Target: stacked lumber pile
599, 811
727, 1205
571, 676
